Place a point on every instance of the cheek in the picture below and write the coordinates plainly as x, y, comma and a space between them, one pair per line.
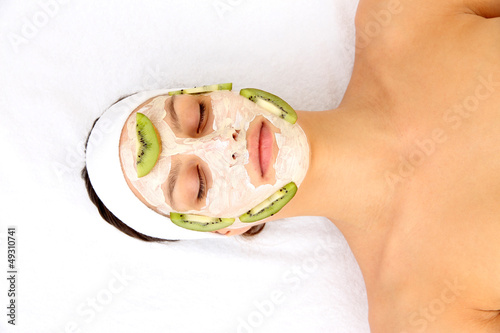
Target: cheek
229, 194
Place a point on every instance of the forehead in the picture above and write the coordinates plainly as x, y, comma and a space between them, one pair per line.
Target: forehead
150, 106
149, 185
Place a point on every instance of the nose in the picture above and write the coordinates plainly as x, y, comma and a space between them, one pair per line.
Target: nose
228, 146
235, 134
235, 138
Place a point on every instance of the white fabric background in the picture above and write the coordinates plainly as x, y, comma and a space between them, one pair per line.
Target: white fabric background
61, 64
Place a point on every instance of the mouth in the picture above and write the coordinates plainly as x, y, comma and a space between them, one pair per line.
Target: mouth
265, 148
262, 149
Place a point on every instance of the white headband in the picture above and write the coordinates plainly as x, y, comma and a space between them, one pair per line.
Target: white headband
105, 173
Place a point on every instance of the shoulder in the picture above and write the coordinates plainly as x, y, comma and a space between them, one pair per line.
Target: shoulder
484, 8
377, 17
398, 22
368, 10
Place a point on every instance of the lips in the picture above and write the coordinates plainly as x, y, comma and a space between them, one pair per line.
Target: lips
260, 142
265, 148
261, 145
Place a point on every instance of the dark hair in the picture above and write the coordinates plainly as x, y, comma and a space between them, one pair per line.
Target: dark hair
109, 217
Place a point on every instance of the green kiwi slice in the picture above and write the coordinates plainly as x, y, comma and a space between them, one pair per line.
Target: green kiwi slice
148, 145
202, 89
271, 103
199, 222
271, 205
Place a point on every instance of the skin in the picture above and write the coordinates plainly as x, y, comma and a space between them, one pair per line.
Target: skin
425, 232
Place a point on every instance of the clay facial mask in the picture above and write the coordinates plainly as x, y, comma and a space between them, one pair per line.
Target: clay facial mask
226, 155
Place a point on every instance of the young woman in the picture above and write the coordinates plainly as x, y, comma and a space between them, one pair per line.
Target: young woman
408, 166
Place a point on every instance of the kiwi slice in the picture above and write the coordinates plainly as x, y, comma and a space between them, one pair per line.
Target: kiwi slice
271, 205
203, 89
148, 145
271, 103
199, 222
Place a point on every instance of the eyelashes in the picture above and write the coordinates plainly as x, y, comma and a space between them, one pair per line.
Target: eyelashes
201, 180
202, 117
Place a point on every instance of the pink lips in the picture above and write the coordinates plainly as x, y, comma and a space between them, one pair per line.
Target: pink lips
260, 145
265, 148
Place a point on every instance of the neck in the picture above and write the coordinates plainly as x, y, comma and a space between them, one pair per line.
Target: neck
350, 153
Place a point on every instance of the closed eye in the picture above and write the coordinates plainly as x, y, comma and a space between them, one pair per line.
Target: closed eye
202, 187
202, 117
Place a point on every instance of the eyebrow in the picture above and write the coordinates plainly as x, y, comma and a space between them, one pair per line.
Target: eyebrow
172, 179
173, 114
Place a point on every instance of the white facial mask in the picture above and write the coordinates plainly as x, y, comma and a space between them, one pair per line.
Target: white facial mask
232, 192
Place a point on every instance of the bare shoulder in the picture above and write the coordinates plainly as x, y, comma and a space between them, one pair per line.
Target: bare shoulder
389, 28
484, 8
385, 11
403, 20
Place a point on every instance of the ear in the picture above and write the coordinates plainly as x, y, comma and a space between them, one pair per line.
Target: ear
232, 232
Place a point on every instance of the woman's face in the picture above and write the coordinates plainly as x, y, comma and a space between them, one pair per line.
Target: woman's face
221, 154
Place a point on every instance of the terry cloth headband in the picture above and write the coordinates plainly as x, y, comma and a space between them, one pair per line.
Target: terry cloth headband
105, 173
